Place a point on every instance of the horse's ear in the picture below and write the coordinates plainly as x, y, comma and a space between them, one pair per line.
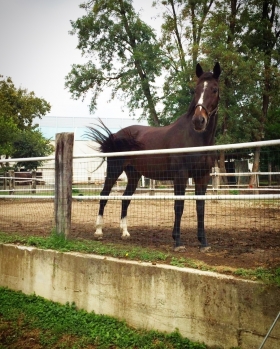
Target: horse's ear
217, 70
199, 70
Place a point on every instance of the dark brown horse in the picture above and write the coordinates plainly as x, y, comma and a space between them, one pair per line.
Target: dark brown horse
195, 128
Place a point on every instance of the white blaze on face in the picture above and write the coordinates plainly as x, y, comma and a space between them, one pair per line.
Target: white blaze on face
201, 98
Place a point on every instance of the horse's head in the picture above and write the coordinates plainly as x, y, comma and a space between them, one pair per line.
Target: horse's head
206, 97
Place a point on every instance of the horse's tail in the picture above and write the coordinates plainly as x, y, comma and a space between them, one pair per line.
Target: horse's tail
109, 142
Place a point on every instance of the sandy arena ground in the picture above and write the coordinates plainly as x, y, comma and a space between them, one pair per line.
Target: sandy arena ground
241, 233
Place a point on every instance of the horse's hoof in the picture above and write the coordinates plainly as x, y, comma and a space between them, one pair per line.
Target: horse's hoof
205, 249
125, 237
180, 249
98, 237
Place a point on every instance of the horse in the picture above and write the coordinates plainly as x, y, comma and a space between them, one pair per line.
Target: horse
193, 129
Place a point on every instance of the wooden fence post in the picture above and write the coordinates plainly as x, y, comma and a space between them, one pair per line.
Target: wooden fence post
33, 182
215, 179
63, 182
11, 182
5, 180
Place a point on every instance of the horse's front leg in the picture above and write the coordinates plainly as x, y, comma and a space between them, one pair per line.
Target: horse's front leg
179, 189
109, 182
114, 169
200, 189
133, 178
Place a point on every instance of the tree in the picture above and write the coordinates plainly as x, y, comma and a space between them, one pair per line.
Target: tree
219, 42
18, 108
263, 33
244, 37
183, 24
19, 105
124, 55
30, 143
8, 130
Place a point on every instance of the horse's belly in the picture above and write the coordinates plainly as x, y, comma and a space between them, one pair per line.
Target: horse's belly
155, 167
160, 176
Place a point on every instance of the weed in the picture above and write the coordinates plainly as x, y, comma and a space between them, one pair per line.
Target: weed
234, 192
178, 262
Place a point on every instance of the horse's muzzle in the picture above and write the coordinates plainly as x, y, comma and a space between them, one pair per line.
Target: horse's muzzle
199, 122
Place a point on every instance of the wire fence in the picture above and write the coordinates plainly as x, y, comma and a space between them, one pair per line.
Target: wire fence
234, 210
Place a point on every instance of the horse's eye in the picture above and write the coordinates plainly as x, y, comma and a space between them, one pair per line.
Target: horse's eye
215, 90
192, 91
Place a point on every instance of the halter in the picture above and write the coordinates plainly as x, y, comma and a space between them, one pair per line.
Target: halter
207, 112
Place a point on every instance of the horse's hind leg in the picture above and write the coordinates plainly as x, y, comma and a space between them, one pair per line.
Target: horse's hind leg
132, 180
114, 170
200, 189
179, 189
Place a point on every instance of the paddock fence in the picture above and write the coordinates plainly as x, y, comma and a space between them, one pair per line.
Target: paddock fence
34, 203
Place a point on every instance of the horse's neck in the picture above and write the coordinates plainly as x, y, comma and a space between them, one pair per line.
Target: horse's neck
211, 130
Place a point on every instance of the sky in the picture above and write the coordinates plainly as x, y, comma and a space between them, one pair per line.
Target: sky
37, 52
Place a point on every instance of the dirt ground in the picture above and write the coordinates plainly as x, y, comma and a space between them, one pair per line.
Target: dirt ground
242, 233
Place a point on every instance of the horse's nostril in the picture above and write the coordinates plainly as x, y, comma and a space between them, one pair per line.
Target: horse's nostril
202, 120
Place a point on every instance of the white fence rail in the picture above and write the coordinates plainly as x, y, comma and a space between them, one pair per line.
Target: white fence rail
84, 181
158, 151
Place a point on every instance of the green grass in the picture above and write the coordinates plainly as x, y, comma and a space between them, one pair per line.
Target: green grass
268, 276
20, 315
59, 243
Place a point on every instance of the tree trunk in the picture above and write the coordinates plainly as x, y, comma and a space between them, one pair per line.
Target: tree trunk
11, 182
223, 179
253, 183
33, 183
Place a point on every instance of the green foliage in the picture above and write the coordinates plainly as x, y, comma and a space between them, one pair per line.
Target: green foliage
189, 263
75, 191
18, 108
30, 143
19, 105
8, 132
124, 55
55, 321
182, 28
264, 275
234, 192
58, 242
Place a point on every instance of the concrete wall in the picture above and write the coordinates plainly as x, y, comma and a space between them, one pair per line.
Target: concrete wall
207, 307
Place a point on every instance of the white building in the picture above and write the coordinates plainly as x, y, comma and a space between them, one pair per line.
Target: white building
85, 170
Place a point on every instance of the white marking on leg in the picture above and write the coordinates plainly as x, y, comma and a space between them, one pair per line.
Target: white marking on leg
123, 226
201, 98
99, 224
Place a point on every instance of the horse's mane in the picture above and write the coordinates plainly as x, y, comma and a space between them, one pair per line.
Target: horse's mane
190, 109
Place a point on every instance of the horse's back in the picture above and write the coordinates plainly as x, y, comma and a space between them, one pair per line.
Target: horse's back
149, 137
